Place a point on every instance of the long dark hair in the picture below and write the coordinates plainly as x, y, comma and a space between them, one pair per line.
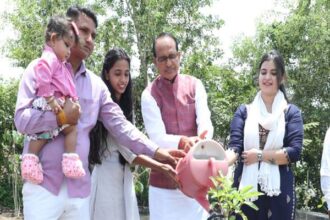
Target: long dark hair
125, 102
278, 60
98, 135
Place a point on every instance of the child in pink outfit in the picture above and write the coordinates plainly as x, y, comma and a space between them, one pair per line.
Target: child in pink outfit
54, 82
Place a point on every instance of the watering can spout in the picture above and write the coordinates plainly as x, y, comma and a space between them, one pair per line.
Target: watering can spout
202, 200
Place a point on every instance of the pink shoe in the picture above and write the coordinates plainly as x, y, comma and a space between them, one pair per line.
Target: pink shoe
72, 166
31, 169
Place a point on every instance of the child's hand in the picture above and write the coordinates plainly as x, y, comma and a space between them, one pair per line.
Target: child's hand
51, 101
55, 107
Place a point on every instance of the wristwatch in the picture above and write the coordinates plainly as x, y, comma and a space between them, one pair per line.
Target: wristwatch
259, 156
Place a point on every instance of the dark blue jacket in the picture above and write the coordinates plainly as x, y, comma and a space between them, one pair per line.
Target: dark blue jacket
293, 137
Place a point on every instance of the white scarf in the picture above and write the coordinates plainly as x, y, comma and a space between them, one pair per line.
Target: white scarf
268, 176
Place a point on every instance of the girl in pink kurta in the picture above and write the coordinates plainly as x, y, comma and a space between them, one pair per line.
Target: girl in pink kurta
54, 84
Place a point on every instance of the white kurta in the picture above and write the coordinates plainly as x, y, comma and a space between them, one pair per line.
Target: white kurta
325, 169
112, 194
165, 204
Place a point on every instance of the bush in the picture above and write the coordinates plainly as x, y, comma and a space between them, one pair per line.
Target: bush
10, 149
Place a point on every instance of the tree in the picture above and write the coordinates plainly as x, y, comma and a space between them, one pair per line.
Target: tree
130, 24
10, 148
226, 90
136, 22
139, 22
29, 20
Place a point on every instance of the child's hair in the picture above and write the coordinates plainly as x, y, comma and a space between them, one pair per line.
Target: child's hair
61, 26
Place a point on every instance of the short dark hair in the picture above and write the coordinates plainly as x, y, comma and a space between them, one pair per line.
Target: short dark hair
164, 34
74, 12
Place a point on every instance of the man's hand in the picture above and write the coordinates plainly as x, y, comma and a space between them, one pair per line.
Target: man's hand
203, 135
72, 112
56, 108
186, 143
166, 155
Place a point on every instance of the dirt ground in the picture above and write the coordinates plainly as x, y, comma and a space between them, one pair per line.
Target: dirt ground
9, 216
3, 217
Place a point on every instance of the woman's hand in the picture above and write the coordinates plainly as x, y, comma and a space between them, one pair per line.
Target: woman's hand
168, 171
250, 156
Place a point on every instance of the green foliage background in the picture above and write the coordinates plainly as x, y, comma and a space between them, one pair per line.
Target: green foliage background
303, 38
10, 147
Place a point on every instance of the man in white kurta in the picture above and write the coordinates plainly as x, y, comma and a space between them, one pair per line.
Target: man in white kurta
325, 170
175, 114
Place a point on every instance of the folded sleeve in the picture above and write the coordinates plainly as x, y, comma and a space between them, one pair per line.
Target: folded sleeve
126, 153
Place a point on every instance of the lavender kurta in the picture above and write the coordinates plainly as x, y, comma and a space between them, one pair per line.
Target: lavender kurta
96, 103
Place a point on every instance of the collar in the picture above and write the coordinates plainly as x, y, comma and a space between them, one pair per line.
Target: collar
169, 80
48, 48
81, 70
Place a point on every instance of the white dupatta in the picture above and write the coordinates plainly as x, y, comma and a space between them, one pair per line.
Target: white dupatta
268, 175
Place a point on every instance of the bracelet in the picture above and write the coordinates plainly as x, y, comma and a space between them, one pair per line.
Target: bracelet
51, 99
61, 117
